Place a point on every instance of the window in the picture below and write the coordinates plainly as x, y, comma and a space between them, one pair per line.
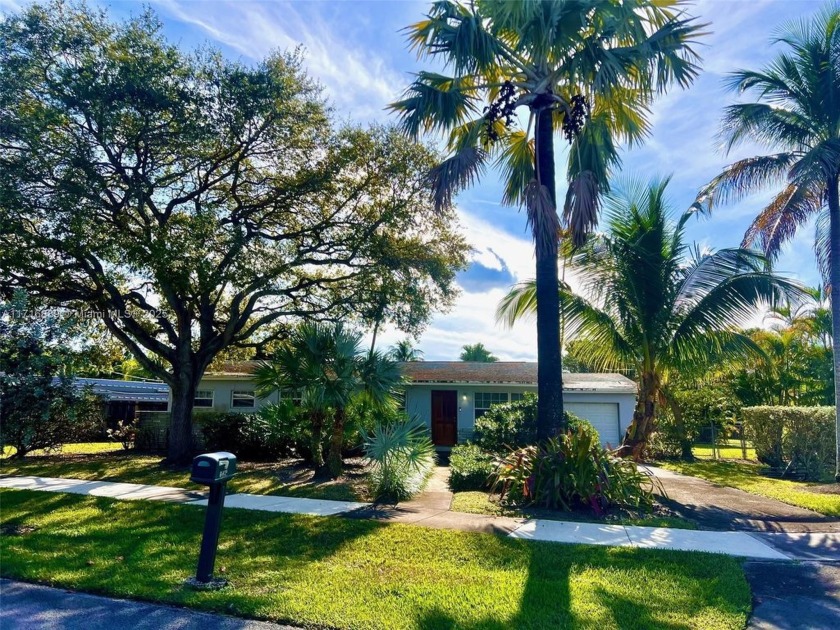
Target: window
242, 399
483, 400
204, 398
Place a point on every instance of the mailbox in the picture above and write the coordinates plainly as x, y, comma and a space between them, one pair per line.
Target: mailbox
213, 468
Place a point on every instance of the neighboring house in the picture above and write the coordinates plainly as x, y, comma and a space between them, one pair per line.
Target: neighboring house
123, 400
450, 395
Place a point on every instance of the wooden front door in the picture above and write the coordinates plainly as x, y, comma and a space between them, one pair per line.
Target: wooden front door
444, 417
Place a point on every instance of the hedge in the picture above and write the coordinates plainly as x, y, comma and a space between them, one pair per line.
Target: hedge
803, 435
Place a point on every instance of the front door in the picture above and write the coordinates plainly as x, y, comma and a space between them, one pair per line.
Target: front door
444, 417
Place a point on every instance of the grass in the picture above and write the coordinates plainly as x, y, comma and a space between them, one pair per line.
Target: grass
79, 448
477, 502
343, 573
748, 477
82, 462
726, 449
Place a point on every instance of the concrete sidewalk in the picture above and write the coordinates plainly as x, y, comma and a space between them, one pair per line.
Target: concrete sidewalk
31, 607
739, 544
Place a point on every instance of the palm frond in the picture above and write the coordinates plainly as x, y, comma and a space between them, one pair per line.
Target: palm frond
822, 247
517, 163
780, 220
580, 212
542, 215
434, 102
455, 173
743, 178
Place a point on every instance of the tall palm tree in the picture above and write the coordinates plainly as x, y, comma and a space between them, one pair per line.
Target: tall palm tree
797, 114
327, 364
405, 352
586, 68
652, 303
477, 353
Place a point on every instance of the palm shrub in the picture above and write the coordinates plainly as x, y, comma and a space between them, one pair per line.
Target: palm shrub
569, 472
402, 457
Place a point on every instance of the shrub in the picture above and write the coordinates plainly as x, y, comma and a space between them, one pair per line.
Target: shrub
571, 471
125, 433
275, 431
470, 468
514, 425
402, 458
801, 435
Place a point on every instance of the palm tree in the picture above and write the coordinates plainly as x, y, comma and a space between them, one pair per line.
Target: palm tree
797, 114
327, 364
405, 352
652, 303
586, 68
478, 353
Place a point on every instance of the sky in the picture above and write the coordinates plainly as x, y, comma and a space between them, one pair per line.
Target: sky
357, 51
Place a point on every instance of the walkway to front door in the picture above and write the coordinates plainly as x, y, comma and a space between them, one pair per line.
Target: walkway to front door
444, 417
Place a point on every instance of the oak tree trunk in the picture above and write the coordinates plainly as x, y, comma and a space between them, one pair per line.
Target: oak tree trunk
180, 446
550, 419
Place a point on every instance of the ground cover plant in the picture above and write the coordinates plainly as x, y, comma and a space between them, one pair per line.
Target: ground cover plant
345, 573
820, 497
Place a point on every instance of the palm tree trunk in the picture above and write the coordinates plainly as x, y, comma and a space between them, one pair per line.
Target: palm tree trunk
334, 461
834, 280
549, 363
638, 433
316, 443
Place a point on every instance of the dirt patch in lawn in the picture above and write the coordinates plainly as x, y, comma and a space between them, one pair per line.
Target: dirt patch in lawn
826, 488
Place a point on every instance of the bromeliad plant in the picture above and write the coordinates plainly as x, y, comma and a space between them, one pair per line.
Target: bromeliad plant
402, 458
572, 471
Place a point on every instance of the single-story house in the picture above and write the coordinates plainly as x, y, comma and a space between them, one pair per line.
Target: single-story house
123, 400
450, 395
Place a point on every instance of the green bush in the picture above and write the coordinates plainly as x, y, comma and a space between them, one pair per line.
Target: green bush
802, 435
514, 425
402, 457
470, 468
274, 431
572, 471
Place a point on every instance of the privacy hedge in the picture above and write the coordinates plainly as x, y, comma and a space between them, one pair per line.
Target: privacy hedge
804, 435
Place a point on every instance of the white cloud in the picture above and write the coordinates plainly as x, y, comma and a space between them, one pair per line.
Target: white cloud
359, 81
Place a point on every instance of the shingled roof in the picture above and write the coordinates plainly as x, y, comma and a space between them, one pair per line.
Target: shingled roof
469, 372
508, 373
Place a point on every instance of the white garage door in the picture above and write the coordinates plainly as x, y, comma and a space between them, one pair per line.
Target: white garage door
603, 416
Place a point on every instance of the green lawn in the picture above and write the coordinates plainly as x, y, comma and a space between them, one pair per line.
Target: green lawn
80, 448
343, 573
76, 461
748, 477
477, 502
728, 449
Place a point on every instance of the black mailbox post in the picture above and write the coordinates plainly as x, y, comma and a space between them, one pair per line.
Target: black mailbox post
213, 470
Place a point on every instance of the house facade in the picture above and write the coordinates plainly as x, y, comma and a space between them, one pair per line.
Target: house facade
450, 395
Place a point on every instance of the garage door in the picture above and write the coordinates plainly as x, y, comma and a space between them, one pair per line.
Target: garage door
603, 416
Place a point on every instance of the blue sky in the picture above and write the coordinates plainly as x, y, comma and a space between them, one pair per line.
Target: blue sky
356, 49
